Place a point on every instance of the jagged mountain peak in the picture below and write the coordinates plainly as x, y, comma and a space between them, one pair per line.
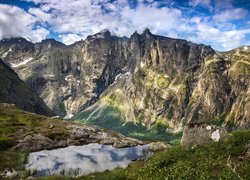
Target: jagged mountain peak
146, 31
100, 35
104, 31
15, 41
51, 40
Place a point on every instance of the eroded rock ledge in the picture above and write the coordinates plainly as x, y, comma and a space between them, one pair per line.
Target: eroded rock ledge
81, 134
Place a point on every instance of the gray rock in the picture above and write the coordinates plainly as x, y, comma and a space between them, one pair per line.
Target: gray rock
14, 92
79, 134
195, 134
158, 146
35, 142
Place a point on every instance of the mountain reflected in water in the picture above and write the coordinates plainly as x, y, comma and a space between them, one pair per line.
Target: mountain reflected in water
82, 160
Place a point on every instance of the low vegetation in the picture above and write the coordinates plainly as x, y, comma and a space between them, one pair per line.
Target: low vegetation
224, 160
15, 124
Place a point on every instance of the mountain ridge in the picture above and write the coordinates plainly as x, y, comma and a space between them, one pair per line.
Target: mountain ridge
107, 31
169, 80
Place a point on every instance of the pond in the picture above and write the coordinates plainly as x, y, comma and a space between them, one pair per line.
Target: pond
82, 160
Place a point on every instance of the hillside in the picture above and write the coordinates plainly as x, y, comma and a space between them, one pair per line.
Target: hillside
14, 91
22, 132
225, 160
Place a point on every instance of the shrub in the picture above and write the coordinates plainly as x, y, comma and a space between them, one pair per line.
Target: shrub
237, 143
6, 143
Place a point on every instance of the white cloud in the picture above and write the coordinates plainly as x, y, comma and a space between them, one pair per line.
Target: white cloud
87, 17
231, 14
73, 20
158, 20
223, 4
41, 16
15, 22
70, 38
204, 3
67, 16
222, 39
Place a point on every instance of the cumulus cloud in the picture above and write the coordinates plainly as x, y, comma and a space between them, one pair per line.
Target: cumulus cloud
73, 20
199, 2
15, 22
158, 20
86, 17
220, 39
70, 38
231, 14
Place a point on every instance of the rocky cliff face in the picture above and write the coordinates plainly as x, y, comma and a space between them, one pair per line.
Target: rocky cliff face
13, 90
147, 79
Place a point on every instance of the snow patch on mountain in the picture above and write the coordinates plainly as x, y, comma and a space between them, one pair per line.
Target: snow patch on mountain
21, 63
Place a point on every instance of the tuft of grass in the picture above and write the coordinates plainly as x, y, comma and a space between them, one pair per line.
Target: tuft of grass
236, 145
6, 143
61, 135
12, 160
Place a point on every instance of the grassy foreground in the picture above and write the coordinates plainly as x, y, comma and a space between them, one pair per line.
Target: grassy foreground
15, 124
223, 160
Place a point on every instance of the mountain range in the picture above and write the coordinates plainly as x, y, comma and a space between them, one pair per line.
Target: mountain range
145, 80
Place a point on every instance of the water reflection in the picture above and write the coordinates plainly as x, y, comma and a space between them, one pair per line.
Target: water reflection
82, 160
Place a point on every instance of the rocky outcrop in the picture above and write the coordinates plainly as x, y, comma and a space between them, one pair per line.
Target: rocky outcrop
195, 134
77, 134
14, 91
222, 91
146, 78
157, 146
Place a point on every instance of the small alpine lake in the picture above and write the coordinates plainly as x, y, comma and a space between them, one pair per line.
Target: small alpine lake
82, 160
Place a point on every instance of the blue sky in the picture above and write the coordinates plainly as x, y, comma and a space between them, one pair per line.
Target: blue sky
223, 24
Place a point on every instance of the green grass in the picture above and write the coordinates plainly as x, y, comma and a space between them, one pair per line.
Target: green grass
15, 124
12, 160
6, 143
224, 160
